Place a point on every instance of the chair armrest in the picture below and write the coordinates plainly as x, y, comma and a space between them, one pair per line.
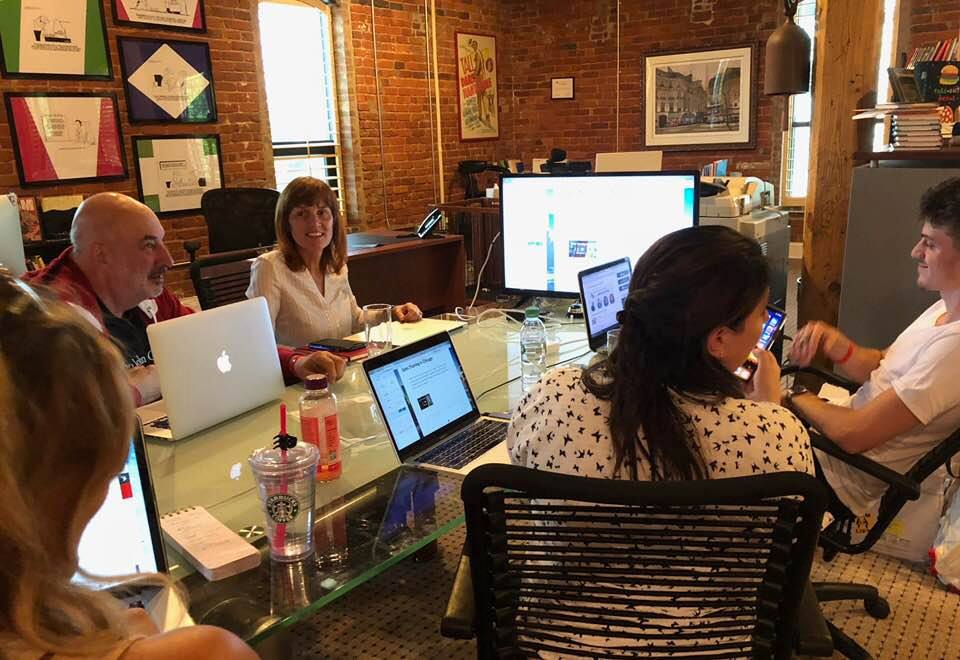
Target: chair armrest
906, 486
812, 636
822, 374
457, 621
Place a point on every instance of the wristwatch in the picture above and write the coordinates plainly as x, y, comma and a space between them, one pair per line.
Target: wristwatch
795, 390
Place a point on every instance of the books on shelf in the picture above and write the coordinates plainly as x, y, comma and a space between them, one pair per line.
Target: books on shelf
917, 129
942, 51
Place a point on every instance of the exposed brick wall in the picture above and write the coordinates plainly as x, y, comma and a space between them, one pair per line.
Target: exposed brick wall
536, 40
933, 20
242, 125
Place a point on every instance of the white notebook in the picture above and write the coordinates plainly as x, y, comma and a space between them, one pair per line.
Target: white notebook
212, 548
408, 333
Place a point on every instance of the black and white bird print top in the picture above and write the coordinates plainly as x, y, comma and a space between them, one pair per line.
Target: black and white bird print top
560, 426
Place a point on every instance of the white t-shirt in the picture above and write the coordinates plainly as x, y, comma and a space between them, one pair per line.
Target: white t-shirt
300, 313
922, 367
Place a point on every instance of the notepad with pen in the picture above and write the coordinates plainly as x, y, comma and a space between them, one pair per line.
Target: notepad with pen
213, 549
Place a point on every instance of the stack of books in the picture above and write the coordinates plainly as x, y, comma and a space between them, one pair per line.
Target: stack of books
915, 129
942, 51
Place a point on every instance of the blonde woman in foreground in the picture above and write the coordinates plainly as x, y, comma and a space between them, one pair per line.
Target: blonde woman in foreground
65, 428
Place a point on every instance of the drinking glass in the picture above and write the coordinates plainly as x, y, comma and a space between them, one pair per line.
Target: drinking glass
377, 326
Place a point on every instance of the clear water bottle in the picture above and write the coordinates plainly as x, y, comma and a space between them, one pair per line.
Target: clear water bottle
319, 425
533, 348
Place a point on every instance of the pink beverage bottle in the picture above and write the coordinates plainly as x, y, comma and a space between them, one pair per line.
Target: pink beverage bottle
319, 425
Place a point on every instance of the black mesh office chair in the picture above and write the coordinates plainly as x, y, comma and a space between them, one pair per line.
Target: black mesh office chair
671, 569
901, 488
239, 218
221, 279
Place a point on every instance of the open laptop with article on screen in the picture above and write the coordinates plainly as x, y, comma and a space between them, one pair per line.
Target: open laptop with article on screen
429, 410
603, 289
123, 540
556, 226
212, 365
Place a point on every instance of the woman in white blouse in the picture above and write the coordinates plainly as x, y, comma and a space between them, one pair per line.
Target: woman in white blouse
305, 279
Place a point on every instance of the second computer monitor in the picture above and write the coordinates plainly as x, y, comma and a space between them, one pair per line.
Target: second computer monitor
556, 226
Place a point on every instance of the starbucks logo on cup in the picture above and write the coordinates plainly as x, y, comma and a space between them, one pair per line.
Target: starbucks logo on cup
282, 508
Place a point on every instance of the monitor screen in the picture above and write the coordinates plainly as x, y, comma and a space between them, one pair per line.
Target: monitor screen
118, 540
556, 226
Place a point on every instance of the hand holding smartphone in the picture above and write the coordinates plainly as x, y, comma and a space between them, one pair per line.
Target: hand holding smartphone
773, 326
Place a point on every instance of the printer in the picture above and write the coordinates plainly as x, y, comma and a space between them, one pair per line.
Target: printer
746, 204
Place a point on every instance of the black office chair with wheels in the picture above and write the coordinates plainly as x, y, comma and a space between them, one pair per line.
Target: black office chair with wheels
714, 569
223, 278
901, 488
239, 218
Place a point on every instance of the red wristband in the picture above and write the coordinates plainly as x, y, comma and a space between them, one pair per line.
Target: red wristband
847, 355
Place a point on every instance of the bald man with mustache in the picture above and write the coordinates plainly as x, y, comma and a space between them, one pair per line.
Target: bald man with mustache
114, 271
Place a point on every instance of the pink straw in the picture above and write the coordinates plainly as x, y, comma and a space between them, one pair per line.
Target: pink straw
280, 533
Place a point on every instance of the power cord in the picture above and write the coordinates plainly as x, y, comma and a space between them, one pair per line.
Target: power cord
549, 366
480, 274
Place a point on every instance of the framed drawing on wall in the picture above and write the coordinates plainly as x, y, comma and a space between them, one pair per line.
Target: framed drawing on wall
167, 81
477, 86
54, 39
65, 137
171, 14
174, 171
700, 100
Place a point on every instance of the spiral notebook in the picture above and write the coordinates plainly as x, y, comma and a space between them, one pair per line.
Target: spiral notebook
213, 549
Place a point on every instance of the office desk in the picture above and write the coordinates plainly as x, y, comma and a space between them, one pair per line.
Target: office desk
375, 515
429, 272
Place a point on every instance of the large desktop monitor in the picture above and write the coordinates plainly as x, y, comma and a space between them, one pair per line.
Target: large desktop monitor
556, 226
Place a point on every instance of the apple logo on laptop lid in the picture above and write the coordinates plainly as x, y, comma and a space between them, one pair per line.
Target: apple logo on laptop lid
223, 362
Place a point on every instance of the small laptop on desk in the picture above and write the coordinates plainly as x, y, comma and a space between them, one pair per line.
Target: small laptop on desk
429, 410
212, 366
123, 539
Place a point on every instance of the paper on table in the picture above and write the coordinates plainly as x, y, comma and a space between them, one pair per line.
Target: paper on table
407, 333
211, 546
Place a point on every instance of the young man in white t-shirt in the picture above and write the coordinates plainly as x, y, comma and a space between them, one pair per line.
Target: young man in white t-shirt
909, 400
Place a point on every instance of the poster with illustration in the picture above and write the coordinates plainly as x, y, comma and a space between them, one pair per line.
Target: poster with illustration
54, 38
477, 85
173, 14
65, 137
167, 81
174, 171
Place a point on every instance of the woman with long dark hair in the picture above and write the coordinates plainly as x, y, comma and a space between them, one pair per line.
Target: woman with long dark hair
666, 403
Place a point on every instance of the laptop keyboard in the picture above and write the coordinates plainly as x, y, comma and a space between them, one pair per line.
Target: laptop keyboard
160, 423
468, 444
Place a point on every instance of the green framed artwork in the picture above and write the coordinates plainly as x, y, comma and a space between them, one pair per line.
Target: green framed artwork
174, 171
54, 39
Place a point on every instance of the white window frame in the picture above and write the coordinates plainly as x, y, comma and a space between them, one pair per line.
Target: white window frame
330, 152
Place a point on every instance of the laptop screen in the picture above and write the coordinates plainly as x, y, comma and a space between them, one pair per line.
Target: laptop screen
421, 389
603, 290
119, 540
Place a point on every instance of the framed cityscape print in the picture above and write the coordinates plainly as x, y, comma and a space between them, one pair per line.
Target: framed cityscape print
167, 81
61, 137
54, 39
174, 171
171, 14
477, 86
700, 100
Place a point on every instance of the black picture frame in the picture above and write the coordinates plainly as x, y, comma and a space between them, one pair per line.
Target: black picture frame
121, 155
166, 26
141, 108
107, 75
904, 85
142, 192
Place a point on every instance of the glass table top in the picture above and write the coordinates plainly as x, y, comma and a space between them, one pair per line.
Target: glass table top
374, 515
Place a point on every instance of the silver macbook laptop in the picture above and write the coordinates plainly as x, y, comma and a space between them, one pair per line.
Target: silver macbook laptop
11, 238
213, 365
430, 412
123, 539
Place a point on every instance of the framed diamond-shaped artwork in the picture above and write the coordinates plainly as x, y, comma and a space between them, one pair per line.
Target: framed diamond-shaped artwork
167, 82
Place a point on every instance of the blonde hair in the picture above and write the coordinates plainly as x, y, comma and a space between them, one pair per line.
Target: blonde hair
302, 191
64, 433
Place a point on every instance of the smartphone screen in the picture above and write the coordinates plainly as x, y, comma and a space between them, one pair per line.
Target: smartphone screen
772, 327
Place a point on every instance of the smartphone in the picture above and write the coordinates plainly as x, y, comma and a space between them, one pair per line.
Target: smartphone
337, 345
771, 329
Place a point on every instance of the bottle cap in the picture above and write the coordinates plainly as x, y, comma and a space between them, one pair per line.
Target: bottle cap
316, 382
532, 312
